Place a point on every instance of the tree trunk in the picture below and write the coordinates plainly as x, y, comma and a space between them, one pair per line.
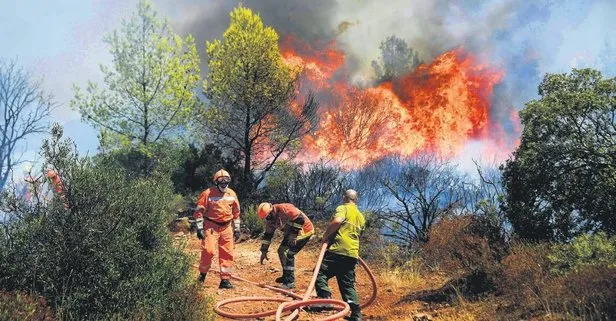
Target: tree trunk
247, 179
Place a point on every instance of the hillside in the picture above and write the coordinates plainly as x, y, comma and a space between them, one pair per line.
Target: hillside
393, 287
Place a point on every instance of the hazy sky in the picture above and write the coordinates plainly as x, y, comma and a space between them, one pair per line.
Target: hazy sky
61, 41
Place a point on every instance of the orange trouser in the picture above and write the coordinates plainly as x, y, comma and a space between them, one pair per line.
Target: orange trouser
223, 236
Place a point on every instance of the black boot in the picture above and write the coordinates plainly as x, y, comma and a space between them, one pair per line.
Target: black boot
202, 277
355, 313
225, 284
280, 279
288, 281
320, 307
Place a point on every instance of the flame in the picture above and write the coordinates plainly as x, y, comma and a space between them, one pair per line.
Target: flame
438, 107
319, 65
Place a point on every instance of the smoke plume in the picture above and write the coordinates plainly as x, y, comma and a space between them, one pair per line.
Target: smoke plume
521, 39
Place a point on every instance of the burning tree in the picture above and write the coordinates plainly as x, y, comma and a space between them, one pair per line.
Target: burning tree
438, 106
360, 118
397, 58
254, 108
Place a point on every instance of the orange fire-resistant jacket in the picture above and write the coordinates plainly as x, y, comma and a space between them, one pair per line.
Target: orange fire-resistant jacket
217, 206
286, 216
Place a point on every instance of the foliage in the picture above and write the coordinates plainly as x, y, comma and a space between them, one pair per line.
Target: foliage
251, 220
584, 250
189, 303
196, 170
400, 267
22, 307
316, 189
25, 108
254, 105
397, 58
587, 293
562, 178
368, 182
99, 248
532, 288
160, 159
150, 88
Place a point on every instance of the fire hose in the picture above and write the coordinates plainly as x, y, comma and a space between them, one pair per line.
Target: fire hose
298, 301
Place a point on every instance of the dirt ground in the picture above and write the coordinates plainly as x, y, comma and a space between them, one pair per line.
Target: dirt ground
388, 305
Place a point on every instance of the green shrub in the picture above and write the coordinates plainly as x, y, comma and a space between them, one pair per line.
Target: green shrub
251, 220
197, 167
584, 250
189, 303
102, 250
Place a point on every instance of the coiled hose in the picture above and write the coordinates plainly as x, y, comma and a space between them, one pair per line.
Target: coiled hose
297, 301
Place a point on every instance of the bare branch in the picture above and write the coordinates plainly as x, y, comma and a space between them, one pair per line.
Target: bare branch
25, 108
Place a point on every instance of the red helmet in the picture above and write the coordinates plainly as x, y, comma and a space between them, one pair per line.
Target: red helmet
220, 174
264, 210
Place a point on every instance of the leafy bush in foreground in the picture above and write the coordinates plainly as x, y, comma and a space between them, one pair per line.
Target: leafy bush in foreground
99, 251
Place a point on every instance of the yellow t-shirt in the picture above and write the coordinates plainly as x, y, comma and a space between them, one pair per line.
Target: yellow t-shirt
346, 241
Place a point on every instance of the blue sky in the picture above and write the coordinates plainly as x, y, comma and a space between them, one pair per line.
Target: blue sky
60, 41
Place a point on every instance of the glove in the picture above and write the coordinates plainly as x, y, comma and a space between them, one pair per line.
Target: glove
199, 225
200, 234
236, 229
264, 257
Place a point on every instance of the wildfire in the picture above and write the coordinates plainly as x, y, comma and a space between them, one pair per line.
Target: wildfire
438, 107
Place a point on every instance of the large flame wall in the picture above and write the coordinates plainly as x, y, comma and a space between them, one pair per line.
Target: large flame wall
438, 107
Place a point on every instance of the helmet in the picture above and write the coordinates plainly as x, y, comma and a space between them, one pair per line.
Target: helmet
220, 174
264, 210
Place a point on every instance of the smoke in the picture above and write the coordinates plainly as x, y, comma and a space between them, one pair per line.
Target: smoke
551, 35
206, 21
525, 39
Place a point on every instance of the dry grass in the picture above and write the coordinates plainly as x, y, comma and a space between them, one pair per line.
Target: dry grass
456, 314
408, 276
16, 306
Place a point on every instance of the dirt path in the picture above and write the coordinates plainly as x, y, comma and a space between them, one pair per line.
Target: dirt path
247, 266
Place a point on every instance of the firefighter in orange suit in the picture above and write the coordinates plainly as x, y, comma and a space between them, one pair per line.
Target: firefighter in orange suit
57, 185
297, 229
217, 208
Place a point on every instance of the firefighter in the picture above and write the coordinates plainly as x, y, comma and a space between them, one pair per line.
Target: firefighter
217, 208
297, 230
342, 255
57, 185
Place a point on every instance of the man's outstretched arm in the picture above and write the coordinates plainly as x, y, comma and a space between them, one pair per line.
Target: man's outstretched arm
331, 230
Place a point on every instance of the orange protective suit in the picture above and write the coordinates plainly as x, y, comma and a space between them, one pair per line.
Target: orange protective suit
217, 210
